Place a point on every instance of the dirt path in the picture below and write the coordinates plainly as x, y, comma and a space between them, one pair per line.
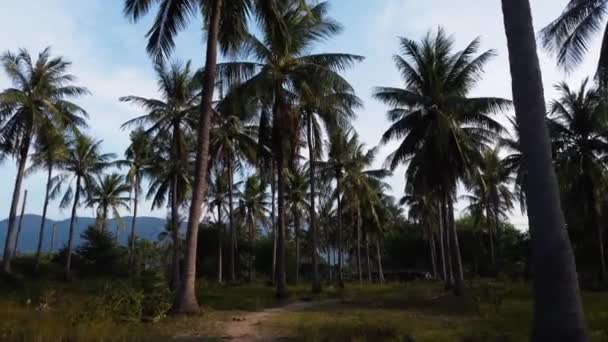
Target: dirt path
246, 327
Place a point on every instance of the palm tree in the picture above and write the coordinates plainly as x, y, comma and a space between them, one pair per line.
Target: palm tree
169, 122
491, 193
441, 130
323, 105
569, 36
39, 99
253, 210
359, 185
108, 194
579, 122
232, 143
226, 23
170, 184
423, 210
513, 162
280, 70
137, 160
84, 161
50, 151
296, 193
558, 313
218, 189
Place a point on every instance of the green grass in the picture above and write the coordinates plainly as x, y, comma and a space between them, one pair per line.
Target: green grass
416, 311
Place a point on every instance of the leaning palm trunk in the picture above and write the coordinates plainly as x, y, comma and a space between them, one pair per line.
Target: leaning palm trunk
43, 219
20, 225
231, 222
558, 314
53, 231
457, 262
379, 260
68, 263
10, 234
186, 301
316, 281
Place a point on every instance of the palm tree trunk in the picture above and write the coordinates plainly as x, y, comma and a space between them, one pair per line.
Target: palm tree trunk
68, 264
359, 264
273, 223
296, 225
52, 246
338, 190
281, 279
186, 297
558, 309
433, 249
379, 260
43, 219
449, 282
316, 281
491, 231
175, 283
594, 222
457, 262
133, 222
231, 221
444, 275
369, 265
220, 239
20, 225
252, 252
10, 233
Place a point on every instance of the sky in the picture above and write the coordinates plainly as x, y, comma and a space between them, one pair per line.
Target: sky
109, 58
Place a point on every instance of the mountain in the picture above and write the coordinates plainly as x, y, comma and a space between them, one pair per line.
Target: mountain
147, 228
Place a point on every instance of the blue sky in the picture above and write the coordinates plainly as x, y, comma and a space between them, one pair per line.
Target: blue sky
109, 58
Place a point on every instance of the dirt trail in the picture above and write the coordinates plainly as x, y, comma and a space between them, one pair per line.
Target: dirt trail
246, 327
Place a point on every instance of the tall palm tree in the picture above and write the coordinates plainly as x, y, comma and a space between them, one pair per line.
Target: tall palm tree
280, 69
569, 36
440, 128
137, 159
38, 99
170, 184
360, 185
296, 198
491, 193
83, 162
423, 210
253, 210
109, 194
232, 143
329, 106
558, 313
169, 123
226, 23
579, 121
218, 188
50, 150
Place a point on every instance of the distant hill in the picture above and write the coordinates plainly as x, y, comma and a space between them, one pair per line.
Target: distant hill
147, 228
